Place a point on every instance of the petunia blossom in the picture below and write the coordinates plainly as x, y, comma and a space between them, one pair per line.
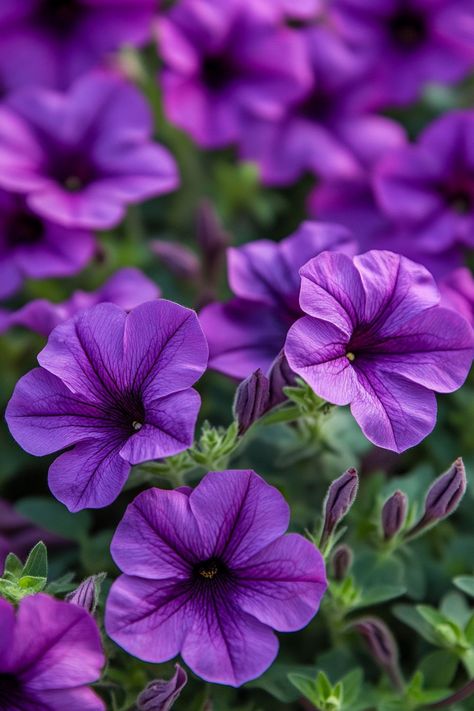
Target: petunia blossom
115, 389
375, 337
36, 248
331, 130
50, 651
224, 62
407, 43
127, 288
249, 331
428, 188
56, 41
209, 574
457, 292
81, 157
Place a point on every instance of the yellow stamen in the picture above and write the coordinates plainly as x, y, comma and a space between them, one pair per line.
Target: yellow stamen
350, 356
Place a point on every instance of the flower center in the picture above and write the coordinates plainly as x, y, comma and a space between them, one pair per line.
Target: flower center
460, 202
60, 14
350, 356
10, 691
136, 425
209, 569
24, 229
217, 71
408, 28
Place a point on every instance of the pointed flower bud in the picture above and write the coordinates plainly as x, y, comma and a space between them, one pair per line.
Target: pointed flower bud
251, 400
181, 261
340, 497
382, 646
394, 512
88, 592
280, 376
212, 238
341, 561
443, 496
160, 695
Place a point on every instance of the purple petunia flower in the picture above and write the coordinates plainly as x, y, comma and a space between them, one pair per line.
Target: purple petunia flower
209, 574
249, 331
36, 248
50, 651
457, 292
407, 43
329, 131
117, 386
82, 157
56, 41
428, 188
126, 288
227, 61
375, 337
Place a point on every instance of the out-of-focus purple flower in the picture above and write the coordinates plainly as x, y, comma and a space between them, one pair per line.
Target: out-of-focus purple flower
249, 331
209, 574
87, 594
18, 535
394, 512
407, 43
160, 695
225, 62
212, 239
251, 400
82, 157
428, 188
36, 248
457, 292
340, 497
127, 288
329, 132
376, 338
54, 42
180, 260
50, 652
117, 386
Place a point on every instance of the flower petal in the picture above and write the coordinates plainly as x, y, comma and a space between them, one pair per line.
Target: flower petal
7, 625
70, 699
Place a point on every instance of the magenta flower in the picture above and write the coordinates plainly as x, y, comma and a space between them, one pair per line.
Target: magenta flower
375, 337
117, 386
36, 248
127, 288
227, 61
249, 331
329, 131
209, 574
82, 157
407, 43
59, 40
50, 651
428, 188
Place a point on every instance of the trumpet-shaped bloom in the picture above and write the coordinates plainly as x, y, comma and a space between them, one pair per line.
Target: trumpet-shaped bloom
407, 43
375, 337
209, 573
249, 331
50, 651
36, 248
115, 389
227, 61
83, 156
428, 188
127, 288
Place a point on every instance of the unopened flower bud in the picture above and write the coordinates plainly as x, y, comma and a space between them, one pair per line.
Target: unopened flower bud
160, 695
181, 261
443, 496
280, 376
251, 400
341, 561
340, 497
394, 512
381, 645
88, 592
212, 238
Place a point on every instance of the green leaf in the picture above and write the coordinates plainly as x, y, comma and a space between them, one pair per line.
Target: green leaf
469, 630
438, 668
55, 518
61, 585
37, 562
32, 584
13, 565
454, 606
305, 686
411, 617
276, 681
380, 593
465, 583
323, 685
351, 685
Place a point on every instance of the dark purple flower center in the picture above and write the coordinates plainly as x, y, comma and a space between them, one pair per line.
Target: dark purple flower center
10, 692
209, 570
73, 171
318, 106
24, 229
218, 71
408, 28
461, 201
60, 15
